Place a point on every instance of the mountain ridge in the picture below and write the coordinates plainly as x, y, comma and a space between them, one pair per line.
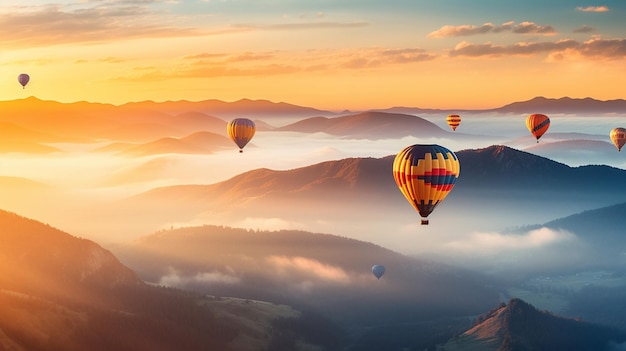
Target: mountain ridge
519, 326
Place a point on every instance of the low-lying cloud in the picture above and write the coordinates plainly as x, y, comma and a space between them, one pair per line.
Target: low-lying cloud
498, 242
176, 279
308, 269
536, 250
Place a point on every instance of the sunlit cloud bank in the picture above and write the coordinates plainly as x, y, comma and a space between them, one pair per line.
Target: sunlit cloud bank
511, 26
596, 48
593, 8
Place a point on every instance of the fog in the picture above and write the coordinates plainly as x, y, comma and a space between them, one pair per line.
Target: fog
80, 188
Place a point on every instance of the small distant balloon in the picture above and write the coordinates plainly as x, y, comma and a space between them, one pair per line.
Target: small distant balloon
23, 79
241, 131
618, 137
453, 121
378, 270
537, 124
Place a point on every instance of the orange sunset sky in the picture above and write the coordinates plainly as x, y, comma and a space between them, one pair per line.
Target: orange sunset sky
328, 54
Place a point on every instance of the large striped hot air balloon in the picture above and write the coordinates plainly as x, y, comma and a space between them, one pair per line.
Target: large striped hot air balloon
537, 124
425, 175
241, 131
618, 137
453, 121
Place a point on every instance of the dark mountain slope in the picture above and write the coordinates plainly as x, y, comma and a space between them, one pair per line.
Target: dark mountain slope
55, 264
519, 326
502, 166
59, 292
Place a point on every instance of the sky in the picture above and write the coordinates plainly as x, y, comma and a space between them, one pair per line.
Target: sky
327, 54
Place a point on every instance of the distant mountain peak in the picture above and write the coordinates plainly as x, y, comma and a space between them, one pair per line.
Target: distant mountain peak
520, 326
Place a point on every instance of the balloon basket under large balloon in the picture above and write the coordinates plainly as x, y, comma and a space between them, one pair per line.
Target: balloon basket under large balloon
424, 222
240, 151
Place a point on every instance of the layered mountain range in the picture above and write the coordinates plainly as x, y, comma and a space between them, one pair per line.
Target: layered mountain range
60, 292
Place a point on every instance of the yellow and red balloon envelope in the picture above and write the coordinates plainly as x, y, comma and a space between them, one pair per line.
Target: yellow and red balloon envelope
453, 121
425, 175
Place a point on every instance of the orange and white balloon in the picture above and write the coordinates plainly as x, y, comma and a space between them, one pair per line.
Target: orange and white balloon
537, 124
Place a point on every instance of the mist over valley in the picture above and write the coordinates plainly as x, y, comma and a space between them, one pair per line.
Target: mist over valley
291, 227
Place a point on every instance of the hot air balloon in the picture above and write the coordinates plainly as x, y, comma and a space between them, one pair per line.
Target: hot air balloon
425, 175
378, 270
537, 124
453, 121
241, 131
23, 79
618, 137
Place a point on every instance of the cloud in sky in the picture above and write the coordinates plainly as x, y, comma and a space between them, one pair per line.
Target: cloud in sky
302, 26
592, 8
250, 64
468, 30
52, 24
594, 48
584, 29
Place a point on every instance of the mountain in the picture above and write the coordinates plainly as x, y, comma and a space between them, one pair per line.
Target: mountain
519, 326
510, 184
324, 272
196, 143
228, 110
601, 230
60, 292
57, 264
44, 120
368, 125
564, 105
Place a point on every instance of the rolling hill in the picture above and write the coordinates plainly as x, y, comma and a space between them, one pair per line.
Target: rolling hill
324, 272
196, 143
368, 125
60, 292
521, 327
